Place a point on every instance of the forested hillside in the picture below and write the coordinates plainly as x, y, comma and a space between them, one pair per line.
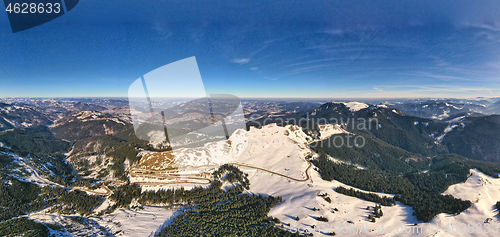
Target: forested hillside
215, 212
421, 190
36, 141
478, 139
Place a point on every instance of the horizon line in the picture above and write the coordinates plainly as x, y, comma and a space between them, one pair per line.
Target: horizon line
250, 98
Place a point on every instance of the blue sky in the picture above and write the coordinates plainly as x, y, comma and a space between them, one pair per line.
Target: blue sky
313, 49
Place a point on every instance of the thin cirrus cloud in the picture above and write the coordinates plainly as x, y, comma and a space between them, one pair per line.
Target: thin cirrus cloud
491, 26
443, 77
241, 61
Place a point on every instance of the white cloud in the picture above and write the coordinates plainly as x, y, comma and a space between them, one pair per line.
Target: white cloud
241, 61
254, 68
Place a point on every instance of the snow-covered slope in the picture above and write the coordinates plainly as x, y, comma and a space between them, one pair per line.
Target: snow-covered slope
483, 191
277, 149
262, 148
300, 199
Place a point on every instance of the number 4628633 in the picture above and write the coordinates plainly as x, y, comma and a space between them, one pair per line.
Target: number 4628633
34, 8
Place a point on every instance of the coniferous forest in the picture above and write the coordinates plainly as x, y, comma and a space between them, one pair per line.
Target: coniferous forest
212, 211
23, 227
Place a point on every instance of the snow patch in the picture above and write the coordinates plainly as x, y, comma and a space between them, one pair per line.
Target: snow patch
356, 106
328, 130
383, 106
3, 145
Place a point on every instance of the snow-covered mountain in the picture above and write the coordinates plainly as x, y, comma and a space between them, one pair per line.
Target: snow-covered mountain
443, 109
404, 155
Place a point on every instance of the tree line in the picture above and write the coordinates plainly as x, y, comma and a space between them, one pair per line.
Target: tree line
372, 197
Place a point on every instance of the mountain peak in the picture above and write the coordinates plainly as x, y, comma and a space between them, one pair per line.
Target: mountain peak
356, 106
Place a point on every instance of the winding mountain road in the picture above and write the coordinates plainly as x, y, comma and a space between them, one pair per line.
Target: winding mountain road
282, 175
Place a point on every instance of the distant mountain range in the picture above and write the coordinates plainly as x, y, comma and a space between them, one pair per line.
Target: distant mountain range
443, 109
18, 116
465, 127
470, 134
